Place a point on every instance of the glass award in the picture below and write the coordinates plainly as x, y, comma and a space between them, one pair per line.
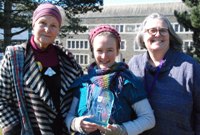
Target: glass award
101, 108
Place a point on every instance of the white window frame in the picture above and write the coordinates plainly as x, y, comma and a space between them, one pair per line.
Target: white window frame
85, 58
76, 44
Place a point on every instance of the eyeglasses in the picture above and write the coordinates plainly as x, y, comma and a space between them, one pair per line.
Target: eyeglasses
154, 31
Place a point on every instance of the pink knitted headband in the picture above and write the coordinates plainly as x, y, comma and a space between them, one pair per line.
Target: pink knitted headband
45, 10
103, 28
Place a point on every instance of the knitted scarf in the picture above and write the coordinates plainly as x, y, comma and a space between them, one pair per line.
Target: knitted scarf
105, 77
111, 78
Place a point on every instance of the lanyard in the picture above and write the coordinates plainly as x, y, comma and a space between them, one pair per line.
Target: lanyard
150, 88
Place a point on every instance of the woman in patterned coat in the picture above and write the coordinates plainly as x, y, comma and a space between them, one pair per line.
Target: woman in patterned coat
48, 72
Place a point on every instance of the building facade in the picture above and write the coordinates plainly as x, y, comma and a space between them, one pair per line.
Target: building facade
126, 19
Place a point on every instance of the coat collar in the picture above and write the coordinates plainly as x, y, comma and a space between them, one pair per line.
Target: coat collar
169, 58
33, 78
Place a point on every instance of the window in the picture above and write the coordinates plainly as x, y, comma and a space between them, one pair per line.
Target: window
86, 44
182, 29
136, 47
1, 56
187, 44
176, 27
68, 44
132, 27
77, 44
57, 42
179, 28
81, 46
119, 28
82, 59
73, 44
123, 45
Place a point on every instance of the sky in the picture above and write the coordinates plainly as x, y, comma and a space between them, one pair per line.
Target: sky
124, 2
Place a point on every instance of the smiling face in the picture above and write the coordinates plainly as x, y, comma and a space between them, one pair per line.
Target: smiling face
159, 41
45, 30
105, 50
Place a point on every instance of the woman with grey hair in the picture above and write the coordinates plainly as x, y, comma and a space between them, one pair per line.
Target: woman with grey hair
35, 79
175, 40
170, 77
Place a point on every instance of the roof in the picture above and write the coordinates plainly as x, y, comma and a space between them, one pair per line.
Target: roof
137, 10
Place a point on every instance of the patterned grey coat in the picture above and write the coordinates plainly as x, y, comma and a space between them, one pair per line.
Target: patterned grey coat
41, 109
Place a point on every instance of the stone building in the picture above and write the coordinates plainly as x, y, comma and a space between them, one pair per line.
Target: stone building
126, 19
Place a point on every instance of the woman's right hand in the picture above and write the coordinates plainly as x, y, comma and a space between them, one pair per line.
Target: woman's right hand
81, 125
113, 129
87, 126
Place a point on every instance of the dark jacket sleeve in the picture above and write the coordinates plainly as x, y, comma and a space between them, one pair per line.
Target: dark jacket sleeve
13, 130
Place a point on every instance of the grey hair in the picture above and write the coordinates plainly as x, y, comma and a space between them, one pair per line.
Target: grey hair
175, 41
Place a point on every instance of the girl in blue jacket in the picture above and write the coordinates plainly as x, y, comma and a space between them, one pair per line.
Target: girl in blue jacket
131, 113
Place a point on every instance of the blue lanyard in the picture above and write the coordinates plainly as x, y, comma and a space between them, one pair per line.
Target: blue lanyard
149, 89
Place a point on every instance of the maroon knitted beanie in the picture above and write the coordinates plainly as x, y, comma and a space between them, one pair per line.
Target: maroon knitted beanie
103, 28
45, 10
